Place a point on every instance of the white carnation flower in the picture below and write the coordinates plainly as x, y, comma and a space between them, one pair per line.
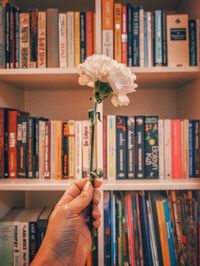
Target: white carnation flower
120, 100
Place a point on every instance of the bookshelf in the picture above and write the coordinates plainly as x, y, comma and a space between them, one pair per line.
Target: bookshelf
55, 93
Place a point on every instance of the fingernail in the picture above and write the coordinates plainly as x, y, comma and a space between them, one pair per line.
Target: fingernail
87, 185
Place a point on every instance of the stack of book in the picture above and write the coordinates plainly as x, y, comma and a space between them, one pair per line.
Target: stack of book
147, 147
44, 38
33, 147
151, 228
137, 37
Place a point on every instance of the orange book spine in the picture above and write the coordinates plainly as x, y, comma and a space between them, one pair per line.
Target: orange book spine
117, 32
124, 35
89, 34
163, 232
176, 149
12, 144
94, 20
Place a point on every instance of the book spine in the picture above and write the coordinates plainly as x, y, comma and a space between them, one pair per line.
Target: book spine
135, 36
33, 240
151, 147
111, 147
37, 148
78, 149
176, 151
17, 38
6, 243
124, 35
2, 37
33, 37
59, 150
164, 39
62, 40
47, 150
193, 42
130, 147
65, 151
139, 137
71, 142
117, 32
149, 39
89, 33
113, 229
12, 144
83, 36
22, 145
30, 147
86, 142
16, 243
158, 37
52, 38
42, 40
24, 40
42, 226
7, 34
185, 148
6, 141
107, 27
53, 149
105, 146
146, 37
196, 148
77, 38
130, 34
167, 149
191, 148
107, 228
12, 37
70, 37
161, 148
2, 144
121, 145
141, 36
24, 235
41, 148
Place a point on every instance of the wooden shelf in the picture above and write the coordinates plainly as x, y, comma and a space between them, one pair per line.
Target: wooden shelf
125, 185
67, 78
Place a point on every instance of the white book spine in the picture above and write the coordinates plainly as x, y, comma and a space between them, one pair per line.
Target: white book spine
185, 147
141, 37
167, 149
53, 150
42, 41
24, 234
86, 126
47, 150
16, 243
78, 149
62, 40
70, 38
107, 38
24, 40
41, 149
111, 147
149, 39
161, 148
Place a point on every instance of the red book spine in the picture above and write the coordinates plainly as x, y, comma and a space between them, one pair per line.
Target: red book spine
12, 144
105, 146
124, 36
176, 149
2, 129
130, 229
89, 34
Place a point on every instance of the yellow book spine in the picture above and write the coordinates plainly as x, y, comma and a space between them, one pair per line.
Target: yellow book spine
117, 32
77, 37
71, 144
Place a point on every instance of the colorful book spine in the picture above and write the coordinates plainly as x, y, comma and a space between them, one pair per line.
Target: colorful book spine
16, 243
24, 40
65, 150
124, 35
71, 141
130, 147
107, 27
111, 147
77, 38
42, 40
135, 36
113, 229
62, 40
12, 37
107, 228
33, 37
157, 38
83, 36
70, 37
78, 149
6, 243
89, 33
193, 42
139, 137
117, 32
58, 164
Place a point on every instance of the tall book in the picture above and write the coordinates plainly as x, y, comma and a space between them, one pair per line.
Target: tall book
149, 39
58, 161
105, 146
77, 38
83, 36
129, 35
176, 151
86, 142
135, 35
139, 140
62, 40
24, 40
41, 148
107, 27
42, 40
196, 148
89, 33
107, 228
65, 150
124, 35
141, 36
70, 39
185, 148
47, 150
130, 147
117, 32
167, 149
52, 37
71, 144
7, 34
164, 39
113, 229
161, 148
33, 37
17, 37
151, 147
2, 36
191, 148
78, 149
111, 147
31, 147
157, 15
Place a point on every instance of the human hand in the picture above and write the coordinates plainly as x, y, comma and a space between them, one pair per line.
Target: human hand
68, 239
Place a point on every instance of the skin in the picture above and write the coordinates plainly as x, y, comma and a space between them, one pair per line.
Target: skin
68, 239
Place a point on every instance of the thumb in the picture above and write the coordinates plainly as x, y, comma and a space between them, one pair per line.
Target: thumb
78, 204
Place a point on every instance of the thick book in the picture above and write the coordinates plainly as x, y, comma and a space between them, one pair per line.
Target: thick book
24, 40
78, 149
89, 33
157, 15
121, 146
62, 40
77, 56
52, 37
130, 147
177, 40
83, 36
124, 35
42, 40
151, 147
111, 147
117, 32
107, 228
193, 42
139, 146
107, 27
33, 37
65, 150
70, 37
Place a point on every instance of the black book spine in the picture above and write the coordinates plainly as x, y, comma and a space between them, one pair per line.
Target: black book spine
12, 37
37, 147
131, 147
6, 143
151, 147
193, 42
17, 38
83, 36
164, 39
135, 39
31, 149
65, 151
33, 240
196, 149
33, 37
42, 227
7, 34
121, 140
129, 33
139, 137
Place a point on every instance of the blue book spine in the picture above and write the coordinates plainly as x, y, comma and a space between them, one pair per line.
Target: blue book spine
135, 36
145, 40
169, 233
193, 42
164, 39
83, 35
157, 37
129, 31
113, 230
107, 226
191, 148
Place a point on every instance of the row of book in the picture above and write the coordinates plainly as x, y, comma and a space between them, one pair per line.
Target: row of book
39, 148
147, 147
151, 228
44, 38
137, 37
